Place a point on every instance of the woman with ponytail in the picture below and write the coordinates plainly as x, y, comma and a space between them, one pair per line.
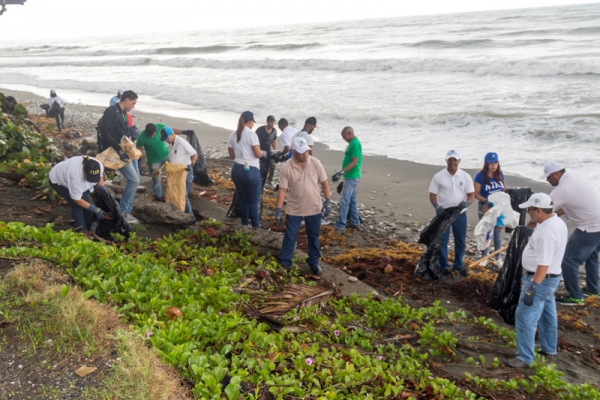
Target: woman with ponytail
244, 148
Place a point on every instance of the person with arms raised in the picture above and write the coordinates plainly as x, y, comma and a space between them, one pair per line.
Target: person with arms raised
452, 187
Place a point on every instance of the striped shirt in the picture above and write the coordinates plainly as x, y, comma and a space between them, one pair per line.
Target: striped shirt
580, 200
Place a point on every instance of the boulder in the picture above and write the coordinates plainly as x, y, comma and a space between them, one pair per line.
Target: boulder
161, 213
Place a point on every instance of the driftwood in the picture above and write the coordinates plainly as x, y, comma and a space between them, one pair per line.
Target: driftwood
12, 176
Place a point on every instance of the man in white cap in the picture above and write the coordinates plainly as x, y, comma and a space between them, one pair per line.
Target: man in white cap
452, 187
579, 199
115, 99
541, 261
302, 178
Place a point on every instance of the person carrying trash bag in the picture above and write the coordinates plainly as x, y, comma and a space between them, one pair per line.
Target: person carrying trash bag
452, 187
73, 180
57, 109
541, 261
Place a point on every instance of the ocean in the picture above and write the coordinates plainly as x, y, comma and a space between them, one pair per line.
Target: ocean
522, 83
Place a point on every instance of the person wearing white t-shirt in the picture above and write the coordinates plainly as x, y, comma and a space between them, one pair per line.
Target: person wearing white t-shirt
182, 152
309, 126
452, 187
244, 148
72, 180
541, 260
58, 109
579, 199
287, 133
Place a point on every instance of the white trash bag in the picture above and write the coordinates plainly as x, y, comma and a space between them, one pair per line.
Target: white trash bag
501, 214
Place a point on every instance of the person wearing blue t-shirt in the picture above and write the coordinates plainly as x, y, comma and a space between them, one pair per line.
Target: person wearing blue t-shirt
487, 181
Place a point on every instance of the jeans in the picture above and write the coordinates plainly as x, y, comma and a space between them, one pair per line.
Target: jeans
82, 217
60, 118
348, 204
292, 227
130, 172
459, 231
497, 237
156, 181
582, 247
542, 314
249, 189
188, 188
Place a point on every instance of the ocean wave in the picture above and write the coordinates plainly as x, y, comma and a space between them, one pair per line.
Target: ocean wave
193, 50
283, 47
441, 44
533, 67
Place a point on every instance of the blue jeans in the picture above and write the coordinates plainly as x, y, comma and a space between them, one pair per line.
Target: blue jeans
82, 217
348, 204
130, 172
248, 187
156, 181
292, 227
497, 236
541, 315
188, 188
582, 247
459, 231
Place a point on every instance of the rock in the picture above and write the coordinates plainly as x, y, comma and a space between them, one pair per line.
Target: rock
388, 269
407, 214
352, 279
161, 213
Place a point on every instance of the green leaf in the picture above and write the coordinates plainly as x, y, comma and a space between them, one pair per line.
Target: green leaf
64, 290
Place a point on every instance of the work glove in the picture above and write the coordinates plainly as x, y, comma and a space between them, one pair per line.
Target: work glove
122, 155
326, 210
278, 215
530, 294
101, 189
463, 205
265, 154
490, 204
439, 210
97, 210
336, 177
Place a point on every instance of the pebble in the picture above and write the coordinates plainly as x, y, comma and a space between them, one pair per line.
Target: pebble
352, 279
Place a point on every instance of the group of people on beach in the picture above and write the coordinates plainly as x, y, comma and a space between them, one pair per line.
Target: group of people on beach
549, 255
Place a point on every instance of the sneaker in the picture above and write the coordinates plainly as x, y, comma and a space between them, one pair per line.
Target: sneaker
516, 363
443, 275
325, 221
498, 263
588, 294
542, 352
130, 218
339, 231
483, 263
464, 271
160, 199
317, 270
355, 227
569, 301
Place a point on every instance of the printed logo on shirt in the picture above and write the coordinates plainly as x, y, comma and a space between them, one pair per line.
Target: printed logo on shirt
461, 183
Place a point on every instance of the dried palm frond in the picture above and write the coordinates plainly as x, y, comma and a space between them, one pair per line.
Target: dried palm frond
292, 296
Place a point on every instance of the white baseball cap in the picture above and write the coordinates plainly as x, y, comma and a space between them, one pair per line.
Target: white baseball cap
52, 91
300, 145
453, 153
120, 91
538, 200
551, 167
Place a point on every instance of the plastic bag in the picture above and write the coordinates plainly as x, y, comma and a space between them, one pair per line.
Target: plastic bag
501, 214
431, 236
200, 171
117, 224
176, 184
110, 159
130, 149
507, 289
519, 196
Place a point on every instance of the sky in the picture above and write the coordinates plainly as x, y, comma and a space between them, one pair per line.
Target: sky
44, 19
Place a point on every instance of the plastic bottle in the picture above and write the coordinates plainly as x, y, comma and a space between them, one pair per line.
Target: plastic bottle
246, 166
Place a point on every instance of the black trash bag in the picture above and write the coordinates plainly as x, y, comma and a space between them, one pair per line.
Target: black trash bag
200, 171
431, 236
340, 187
507, 289
519, 196
233, 211
104, 227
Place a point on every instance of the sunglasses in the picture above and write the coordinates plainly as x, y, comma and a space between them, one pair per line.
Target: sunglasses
530, 209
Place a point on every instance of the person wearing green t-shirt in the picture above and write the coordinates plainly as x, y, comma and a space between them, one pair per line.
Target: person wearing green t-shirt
156, 152
351, 171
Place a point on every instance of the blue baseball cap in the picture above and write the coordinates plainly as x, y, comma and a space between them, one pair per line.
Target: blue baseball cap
491, 157
165, 133
248, 116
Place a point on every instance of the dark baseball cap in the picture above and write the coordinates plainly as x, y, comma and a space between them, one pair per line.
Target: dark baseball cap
248, 116
270, 118
311, 121
92, 170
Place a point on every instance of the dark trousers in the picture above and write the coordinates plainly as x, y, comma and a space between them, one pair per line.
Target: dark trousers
292, 227
82, 217
248, 187
60, 118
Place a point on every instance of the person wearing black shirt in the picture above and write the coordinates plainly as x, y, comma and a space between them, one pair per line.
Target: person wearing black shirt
267, 136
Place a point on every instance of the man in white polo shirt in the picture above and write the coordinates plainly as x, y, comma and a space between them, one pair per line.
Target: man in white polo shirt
579, 199
452, 187
181, 152
301, 179
541, 261
287, 133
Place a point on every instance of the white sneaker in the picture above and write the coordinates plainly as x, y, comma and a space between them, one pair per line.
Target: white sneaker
483, 263
498, 263
130, 218
325, 221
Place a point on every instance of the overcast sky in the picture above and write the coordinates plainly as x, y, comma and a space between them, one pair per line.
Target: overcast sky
46, 19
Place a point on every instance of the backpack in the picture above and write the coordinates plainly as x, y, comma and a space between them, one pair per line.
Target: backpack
99, 135
56, 107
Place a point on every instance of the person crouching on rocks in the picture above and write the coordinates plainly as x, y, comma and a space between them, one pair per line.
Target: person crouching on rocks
73, 180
